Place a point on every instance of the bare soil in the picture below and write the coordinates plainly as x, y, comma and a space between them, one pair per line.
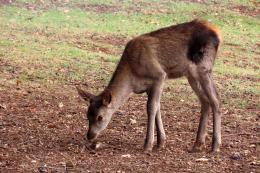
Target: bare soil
247, 11
44, 130
5, 2
196, 1
99, 8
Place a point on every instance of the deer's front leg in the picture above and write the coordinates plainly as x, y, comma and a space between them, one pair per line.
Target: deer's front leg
153, 103
161, 137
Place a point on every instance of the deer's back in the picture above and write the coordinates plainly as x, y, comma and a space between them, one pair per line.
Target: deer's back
175, 48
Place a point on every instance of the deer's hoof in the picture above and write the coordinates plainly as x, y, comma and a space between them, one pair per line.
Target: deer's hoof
215, 149
198, 147
148, 148
216, 146
161, 145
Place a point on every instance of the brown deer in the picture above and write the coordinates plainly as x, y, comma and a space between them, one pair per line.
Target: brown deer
187, 49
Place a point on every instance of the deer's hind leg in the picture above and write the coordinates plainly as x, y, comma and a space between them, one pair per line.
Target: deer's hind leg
209, 88
199, 144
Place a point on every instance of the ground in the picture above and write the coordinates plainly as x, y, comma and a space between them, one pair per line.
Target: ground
49, 47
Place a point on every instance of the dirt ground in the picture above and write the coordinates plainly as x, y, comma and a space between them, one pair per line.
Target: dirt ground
43, 131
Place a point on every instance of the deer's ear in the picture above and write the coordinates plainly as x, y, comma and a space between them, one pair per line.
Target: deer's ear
84, 94
106, 98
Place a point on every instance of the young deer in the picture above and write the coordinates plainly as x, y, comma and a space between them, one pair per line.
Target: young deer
188, 49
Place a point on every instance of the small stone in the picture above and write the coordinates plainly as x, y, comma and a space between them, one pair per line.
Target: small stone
236, 156
61, 105
69, 116
5, 146
66, 10
96, 145
252, 146
202, 160
42, 169
246, 152
126, 155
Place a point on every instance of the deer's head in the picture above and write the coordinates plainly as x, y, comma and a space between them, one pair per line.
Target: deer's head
99, 112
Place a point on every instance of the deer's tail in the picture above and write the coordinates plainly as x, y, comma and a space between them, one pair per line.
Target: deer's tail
202, 37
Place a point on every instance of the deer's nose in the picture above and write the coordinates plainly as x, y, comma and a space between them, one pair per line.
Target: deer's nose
91, 135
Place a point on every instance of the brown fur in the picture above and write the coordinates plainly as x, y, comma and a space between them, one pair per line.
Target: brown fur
187, 49
212, 28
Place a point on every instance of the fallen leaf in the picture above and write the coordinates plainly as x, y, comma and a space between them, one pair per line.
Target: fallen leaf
2, 106
132, 121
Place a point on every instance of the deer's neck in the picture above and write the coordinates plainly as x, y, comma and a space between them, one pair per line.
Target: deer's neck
120, 85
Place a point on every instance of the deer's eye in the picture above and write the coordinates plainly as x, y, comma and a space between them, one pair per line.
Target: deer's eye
99, 118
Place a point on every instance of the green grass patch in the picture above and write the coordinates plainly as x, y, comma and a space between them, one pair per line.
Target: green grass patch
45, 43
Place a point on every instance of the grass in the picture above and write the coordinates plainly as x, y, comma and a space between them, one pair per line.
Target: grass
51, 43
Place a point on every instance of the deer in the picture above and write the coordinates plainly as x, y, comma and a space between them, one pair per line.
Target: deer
184, 50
